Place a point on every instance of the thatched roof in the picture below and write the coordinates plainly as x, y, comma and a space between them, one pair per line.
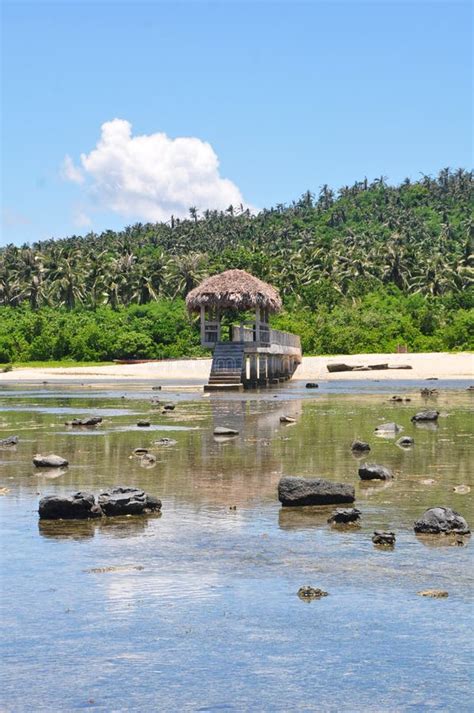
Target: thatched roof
234, 289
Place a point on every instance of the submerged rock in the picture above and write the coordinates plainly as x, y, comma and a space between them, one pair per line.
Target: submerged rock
434, 593
384, 538
140, 451
371, 471
309, 593
127, 501
9, 441
148, 460
360, 446
342, 516
287, 419
80, 506
406, 441
462, 489
293, 491
49, 461
225, 431
165, 442
312, 385
90, 421
425, 416
389, 427
440, 520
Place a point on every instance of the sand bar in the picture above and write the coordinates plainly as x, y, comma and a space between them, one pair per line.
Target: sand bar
441, 365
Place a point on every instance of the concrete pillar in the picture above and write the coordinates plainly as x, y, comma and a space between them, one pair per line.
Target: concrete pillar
253, 368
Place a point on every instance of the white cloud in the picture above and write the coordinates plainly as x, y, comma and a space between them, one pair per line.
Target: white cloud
81, 219
152, 177
70, 172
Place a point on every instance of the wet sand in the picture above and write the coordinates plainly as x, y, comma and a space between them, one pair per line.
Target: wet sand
423, 366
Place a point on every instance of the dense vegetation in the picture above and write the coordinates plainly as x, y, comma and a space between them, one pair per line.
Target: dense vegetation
364, 270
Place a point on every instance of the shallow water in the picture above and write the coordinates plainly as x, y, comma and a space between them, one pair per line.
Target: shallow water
196, 609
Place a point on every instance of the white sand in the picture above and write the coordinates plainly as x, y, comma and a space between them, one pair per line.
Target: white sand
441, 365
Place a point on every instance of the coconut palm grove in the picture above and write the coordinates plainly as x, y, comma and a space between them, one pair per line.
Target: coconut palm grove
363, 269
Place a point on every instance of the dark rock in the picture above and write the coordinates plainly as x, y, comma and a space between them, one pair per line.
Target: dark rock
225, 431
425, 416
49, 461
389, 427
156, 388
371, 471
294, 491
431, 378
312, 385
165, 442
309, 593
360, 446
405, 441
80, 506
441, 520
143, 424
140, 451
470, 388
345, 515
386, 539
287, 419
332, 368
396, 398
127, 501
9, 441
90, 421
169, 407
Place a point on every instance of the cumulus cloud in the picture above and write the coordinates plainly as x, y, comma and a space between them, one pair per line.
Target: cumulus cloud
70, 172
152, 177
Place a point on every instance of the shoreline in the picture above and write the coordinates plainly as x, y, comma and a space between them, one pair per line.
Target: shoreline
436, 365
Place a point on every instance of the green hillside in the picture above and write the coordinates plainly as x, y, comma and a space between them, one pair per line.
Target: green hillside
360, 270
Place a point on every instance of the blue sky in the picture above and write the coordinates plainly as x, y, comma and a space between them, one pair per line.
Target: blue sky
289, 95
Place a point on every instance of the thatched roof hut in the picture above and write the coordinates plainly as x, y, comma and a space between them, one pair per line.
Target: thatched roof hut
234, 289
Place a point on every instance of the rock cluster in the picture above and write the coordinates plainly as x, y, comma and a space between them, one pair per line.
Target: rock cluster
89, 421
82, 506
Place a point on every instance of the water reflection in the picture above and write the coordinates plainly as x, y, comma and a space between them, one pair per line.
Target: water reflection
218, 580
116, 527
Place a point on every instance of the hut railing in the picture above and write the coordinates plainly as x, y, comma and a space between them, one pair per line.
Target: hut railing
264, 335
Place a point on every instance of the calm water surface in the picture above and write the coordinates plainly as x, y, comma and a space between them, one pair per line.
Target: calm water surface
196, 609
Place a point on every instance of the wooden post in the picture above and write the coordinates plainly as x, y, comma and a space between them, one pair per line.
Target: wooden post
257, 323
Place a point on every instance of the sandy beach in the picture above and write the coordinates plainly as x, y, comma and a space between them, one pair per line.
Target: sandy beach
423, 366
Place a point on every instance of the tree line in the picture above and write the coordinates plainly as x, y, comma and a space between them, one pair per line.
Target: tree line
330, 254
